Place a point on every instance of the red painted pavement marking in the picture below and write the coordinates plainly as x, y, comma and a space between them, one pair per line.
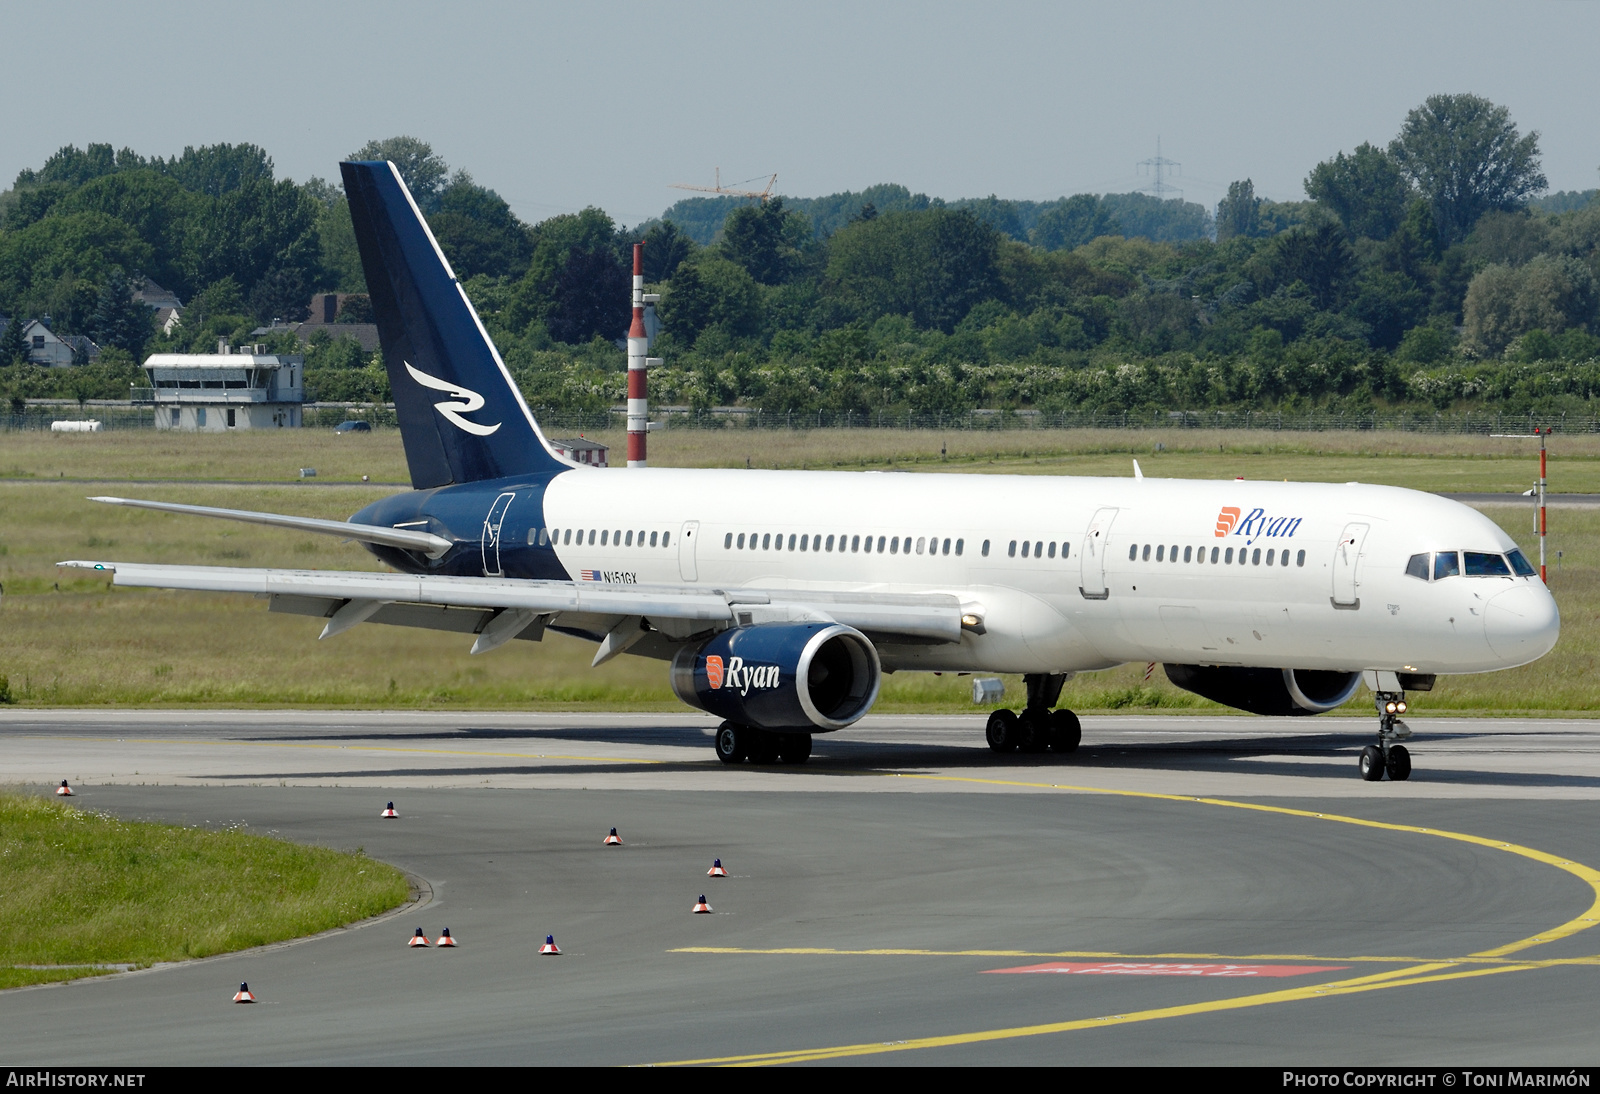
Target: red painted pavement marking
1169, 968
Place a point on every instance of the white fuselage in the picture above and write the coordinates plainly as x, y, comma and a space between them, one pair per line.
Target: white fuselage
1336, 594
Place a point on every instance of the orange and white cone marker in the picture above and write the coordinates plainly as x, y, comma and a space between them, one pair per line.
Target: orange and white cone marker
702, 908
550, 946
63, 791
716, 869
418, 939
243, 994
445, 940
613, 840
388, 811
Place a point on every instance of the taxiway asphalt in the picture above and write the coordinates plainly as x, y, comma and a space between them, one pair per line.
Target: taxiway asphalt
1177, 869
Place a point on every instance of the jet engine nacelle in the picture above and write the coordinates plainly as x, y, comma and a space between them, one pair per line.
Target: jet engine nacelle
1267, 691
807, 676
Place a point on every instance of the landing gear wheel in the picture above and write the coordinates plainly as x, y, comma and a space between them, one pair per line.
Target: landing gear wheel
763, 748
733, 742
1033, 731
795, 748
1001, 731
1399, 763
1065, 731
1372, 763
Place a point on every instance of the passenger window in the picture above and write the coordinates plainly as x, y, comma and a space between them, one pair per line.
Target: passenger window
1446, 564
803, 540
741, 541
894, 545
1038, 549
867, 546
566, 540
665, 536
830, 543
629, 543
1520, 564
1174, 555
1270, 553
1025, 546
616, 538
1482, 564
766, 541
1066, 548
959, 544
1161, 552
946, 548
1011, 552
855, 544
653, 539
985, 548
1052, 549
1255, 558
1188, 553
1300, 559
881, 541
1133, 552
603, 534
641, 537
1147, 553
1214, 551
1227, 559
1417, 566
592, 534
791, 541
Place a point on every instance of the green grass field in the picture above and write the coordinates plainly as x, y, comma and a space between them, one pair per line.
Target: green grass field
85, 890
66, 639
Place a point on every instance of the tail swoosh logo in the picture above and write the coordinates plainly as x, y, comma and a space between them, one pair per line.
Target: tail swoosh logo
470, 401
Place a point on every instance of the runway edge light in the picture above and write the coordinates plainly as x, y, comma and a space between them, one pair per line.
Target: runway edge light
243, 994
388, 811
702, 908
716, 869
613, 840
445, 941
418, 939
550, 948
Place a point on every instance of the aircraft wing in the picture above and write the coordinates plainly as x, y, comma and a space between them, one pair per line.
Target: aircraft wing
500, 609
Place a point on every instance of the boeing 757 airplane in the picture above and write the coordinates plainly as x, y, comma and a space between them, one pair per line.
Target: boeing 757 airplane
780, 598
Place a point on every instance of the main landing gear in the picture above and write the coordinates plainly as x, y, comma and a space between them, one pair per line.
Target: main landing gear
1388, 755
737, 743
1038, 728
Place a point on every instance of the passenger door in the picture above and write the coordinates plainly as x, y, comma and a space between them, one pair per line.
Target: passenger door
1346, 557
491, 535
686, 539
1091, 560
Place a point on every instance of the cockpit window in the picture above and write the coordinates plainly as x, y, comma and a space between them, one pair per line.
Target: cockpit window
1521, 565
1446, 564
1483, 564
1417, 566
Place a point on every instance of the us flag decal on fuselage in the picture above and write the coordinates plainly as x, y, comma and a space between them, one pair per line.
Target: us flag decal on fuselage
615, 577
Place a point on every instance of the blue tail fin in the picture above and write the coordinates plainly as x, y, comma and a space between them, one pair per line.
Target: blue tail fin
461, 416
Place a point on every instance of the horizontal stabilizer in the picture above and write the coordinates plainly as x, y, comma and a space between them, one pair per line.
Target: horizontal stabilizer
406, 538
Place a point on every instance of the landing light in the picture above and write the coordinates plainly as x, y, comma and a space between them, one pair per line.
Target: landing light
1400, 707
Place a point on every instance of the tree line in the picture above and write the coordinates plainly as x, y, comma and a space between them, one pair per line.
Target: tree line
1425, 272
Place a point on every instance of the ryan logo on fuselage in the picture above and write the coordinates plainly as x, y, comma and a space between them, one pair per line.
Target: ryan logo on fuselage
739, 675
453, 410
1255, 524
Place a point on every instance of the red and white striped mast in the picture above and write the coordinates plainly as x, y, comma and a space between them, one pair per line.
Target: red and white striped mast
638, 363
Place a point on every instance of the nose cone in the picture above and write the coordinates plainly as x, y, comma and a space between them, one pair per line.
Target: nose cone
1522, 623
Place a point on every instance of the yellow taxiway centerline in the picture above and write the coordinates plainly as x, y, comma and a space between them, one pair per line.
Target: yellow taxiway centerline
1424, 973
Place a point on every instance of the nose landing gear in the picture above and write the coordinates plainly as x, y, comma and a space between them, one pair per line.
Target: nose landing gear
1388, 755
1038, 727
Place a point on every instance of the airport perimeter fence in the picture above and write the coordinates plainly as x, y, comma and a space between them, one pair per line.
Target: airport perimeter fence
40, 414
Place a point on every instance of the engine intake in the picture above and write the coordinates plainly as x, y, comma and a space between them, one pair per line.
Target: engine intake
1267, 691
811, 676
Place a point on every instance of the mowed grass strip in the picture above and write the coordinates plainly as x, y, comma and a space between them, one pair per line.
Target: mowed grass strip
80, 889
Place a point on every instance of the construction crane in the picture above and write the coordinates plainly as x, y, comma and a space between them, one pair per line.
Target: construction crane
731, 191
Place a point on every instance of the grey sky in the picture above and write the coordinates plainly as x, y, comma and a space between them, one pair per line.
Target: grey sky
562, 106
